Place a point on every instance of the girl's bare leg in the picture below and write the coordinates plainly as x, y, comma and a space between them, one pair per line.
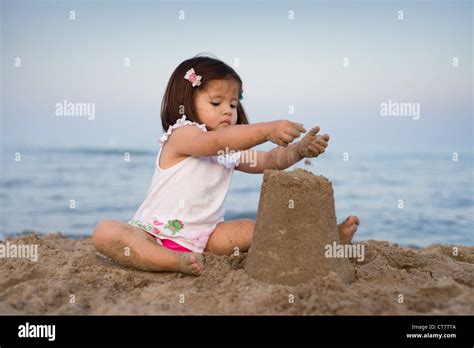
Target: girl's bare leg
238, 233
229, 235
132, 247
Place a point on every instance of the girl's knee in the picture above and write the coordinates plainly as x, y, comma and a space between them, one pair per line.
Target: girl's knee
229, 235
104, 232
248, 227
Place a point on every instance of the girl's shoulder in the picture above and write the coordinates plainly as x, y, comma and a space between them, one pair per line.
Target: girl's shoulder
180, 123
169, 156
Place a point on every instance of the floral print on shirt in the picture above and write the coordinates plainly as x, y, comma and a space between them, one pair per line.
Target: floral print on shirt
172, 225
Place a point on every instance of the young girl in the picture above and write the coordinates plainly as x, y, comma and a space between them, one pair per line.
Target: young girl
207, 136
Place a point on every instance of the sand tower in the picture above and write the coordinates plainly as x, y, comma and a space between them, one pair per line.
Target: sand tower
296, 221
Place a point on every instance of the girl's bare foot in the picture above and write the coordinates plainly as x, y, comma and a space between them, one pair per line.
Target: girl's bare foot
348, 228
191, 263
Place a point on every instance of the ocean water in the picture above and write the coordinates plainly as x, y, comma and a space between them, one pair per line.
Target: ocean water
36, 193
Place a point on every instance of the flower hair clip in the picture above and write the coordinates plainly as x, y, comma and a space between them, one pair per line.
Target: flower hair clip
193, 78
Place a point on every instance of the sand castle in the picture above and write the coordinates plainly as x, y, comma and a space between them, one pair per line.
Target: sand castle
296, 221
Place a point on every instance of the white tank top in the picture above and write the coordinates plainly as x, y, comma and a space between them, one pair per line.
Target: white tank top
186, 201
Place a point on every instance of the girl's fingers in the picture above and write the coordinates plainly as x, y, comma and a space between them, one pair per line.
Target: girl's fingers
326, 137
287, 138
322, 142
299, 127
293, 132
313, 131
313, 150
320, 148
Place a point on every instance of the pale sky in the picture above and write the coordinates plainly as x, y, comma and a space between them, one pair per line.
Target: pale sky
282, 62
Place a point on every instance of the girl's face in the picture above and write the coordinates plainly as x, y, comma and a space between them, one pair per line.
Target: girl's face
217, 104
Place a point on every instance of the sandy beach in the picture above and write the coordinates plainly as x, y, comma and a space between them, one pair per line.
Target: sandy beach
71, 277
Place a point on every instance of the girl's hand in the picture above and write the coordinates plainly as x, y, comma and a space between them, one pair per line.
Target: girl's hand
313, 145
283, 132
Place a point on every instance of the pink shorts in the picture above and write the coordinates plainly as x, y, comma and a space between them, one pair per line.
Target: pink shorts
167, 243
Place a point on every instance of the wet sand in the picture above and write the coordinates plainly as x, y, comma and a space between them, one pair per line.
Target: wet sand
296, 221
431, 280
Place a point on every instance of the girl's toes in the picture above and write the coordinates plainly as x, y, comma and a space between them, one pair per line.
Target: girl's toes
352, 219
349, 231
197, 269
357, 220
191, 263
352, 230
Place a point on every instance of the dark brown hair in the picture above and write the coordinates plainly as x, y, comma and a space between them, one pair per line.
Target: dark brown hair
179, 94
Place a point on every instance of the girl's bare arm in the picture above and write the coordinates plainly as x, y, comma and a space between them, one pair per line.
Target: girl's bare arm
190, 140
281, 158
